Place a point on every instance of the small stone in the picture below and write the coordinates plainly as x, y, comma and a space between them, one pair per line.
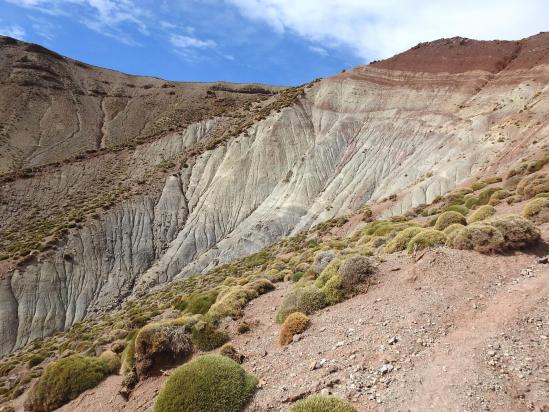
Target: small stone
387, 367
393, 340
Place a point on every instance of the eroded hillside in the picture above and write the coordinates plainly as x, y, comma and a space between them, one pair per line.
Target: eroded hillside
210, 174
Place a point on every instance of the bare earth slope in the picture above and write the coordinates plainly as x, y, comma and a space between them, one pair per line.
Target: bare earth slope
55, 108
461, 331
225, 184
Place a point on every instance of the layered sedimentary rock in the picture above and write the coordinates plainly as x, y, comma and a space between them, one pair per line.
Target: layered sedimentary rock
413, 126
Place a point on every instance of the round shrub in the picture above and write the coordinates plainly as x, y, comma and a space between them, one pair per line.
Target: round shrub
544, 195
482, 237
471, 202
448, 218
400, 241
533, 184
492, 179
327, 273
486, 194
231, 300
64, 380
210, 383
353, 272
482, 213
478, 185
322, 403
498, 196
426, 238
453, 227
458, 208
537, 210
308, 300
517, 231
296, 276
112, 360
333, 291
200, 302
294, 324
206, 336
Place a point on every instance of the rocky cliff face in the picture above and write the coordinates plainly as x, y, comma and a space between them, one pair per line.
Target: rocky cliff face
408, 128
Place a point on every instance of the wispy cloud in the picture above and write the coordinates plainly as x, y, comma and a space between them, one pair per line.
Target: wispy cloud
321, 51
378, 28
14, 30
104, 16
188, 42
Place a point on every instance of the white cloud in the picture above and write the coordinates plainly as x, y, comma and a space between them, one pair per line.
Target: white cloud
15, 31
380, 28
321, 51
187, 42
103, 16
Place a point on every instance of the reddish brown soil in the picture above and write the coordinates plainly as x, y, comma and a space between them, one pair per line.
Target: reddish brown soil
459, 55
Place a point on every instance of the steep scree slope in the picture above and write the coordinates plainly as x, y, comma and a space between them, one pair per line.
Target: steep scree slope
409, 128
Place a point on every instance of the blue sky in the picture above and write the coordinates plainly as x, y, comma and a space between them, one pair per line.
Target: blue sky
283, 42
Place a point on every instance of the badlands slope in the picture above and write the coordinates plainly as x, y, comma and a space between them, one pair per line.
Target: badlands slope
178, 183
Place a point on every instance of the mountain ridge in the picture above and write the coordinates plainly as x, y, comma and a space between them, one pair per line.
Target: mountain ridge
109, 225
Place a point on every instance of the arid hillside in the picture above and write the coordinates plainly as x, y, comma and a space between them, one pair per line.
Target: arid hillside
113, 185
55, 108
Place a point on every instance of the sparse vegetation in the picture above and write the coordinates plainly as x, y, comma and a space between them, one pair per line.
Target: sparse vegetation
322, 403
64, 380
209, 383
294, 324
